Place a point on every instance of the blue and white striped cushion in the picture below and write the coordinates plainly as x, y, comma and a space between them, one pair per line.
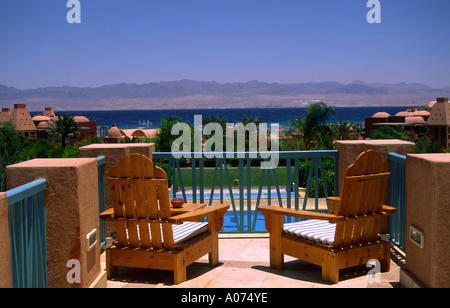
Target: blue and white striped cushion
188, 230
182, 232
319, 231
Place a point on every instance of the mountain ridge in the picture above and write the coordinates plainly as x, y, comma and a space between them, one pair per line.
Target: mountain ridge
188, 94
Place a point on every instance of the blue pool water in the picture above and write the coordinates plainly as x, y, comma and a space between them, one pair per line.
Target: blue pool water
231, 226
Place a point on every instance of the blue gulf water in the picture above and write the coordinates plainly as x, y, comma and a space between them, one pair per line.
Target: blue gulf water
137, 118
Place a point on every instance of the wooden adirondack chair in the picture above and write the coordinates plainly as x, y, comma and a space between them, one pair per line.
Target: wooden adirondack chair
345, 237
148, 236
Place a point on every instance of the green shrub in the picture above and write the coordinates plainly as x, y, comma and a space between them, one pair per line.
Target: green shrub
328, 166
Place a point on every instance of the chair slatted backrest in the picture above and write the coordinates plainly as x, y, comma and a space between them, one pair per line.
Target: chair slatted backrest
140, 219
362, 196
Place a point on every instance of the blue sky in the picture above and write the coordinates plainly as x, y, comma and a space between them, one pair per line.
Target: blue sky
286, 41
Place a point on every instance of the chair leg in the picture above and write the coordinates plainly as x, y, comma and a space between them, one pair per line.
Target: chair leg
385, 260
179, 271
276, 258
111, 270
213, 257
214, 254
330, 269
276, 255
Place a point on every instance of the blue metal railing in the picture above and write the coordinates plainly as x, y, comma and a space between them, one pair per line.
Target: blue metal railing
101, 197
397, 197
27, 235
245, 216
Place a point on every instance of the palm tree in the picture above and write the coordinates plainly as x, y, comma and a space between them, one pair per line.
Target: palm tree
343, 130
164, 138
63, 128
313, 125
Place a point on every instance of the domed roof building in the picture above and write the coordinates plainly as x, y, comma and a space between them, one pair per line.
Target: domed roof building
421, 113
415, 120
381, 114
43, 125
370, 123
40, 118
80, 119
403, 113
114, 135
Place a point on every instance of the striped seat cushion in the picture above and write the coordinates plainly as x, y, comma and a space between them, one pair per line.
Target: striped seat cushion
319, 231
183, 232
188, 230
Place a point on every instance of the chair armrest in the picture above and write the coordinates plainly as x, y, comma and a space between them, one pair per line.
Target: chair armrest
389, 209
197, 214
107, 214
300, 213
333, 205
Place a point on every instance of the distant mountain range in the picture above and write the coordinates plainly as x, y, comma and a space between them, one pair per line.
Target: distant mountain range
189, 94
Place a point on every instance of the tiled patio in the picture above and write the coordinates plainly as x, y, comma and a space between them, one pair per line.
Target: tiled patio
244, 263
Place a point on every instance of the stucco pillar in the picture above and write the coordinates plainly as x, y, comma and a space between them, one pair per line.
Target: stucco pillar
5, 262
350, 149
113, 153
71, 212
428, 212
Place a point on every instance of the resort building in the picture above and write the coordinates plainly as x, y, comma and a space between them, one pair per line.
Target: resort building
435, 116
40, 124
115, 134
5, 115
439, 122
87, 128
379, 117
21, 119
139, 132
48, 112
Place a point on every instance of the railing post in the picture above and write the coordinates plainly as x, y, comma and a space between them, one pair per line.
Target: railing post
101, 197
397, 198
5, 258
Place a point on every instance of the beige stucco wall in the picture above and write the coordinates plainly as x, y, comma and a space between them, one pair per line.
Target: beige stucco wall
71, 212
5, 268
428, 209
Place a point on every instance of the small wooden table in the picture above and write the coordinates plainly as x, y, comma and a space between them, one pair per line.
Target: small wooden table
187, 207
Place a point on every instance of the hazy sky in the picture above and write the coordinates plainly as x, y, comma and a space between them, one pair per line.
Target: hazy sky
286, 41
